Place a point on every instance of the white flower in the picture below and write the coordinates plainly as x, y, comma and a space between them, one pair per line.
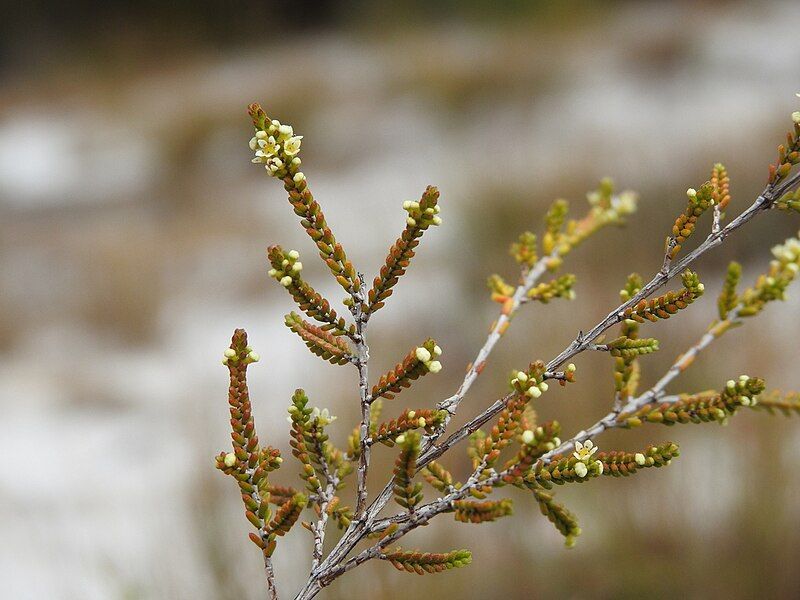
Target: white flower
422, 422
400, 439
229, 353
543, 386
297, 267
274, 164
437, 220
272, 272
285, 132
581, 470
640, 459
411, 414
434, 366
437, 351
299, 177
261, 134
253, 357
796, 116
522, 376
599, 466
422, 354
292, 145
584, 452
323, 417
691, 192
286, 281
230, 459
528, 437
410, 222
253, 143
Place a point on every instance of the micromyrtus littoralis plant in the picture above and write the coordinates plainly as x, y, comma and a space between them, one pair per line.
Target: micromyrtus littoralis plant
506, 445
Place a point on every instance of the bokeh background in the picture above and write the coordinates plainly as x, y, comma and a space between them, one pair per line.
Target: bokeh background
132, 238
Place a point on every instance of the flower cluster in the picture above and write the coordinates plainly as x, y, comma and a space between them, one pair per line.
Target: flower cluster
422, 213
531, 383
584, 453
275, 147
420, 361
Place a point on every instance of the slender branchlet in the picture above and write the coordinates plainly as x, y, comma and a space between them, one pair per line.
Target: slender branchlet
506, 445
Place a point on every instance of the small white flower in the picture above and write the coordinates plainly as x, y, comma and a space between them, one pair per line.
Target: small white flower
422, 422
640, 459
557, 441
543, 386
437, 351
299, 177
422, 354
286, 281
323, 417
599, 466
581, 470
261, 134
796, 116
272, 272
406, 204
292, 145
411, 222
230, 459
285, 132
293, 254
584, 452
691, 192
297, 267
400, 439
229, 353
528, 437
253, 144
411, 414
253, 357
522, 376
274, 164
434, 366
437, 220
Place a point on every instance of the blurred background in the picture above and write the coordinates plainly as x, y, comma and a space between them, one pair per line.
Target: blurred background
132, 237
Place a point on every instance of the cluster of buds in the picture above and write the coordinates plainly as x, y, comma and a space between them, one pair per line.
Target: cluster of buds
427, 358
231, 356
576, 468
772, 285
531, 383
788, 154
607, 208
627, 348
584, 453
418, 362
699, 408
561, 287
276, 147
426, 419
618, 464
421, 215
544, 437
524, 250
438, 477
424, 212
699, 202
285, 266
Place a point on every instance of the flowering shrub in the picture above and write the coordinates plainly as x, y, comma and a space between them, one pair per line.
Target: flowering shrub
506, 445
